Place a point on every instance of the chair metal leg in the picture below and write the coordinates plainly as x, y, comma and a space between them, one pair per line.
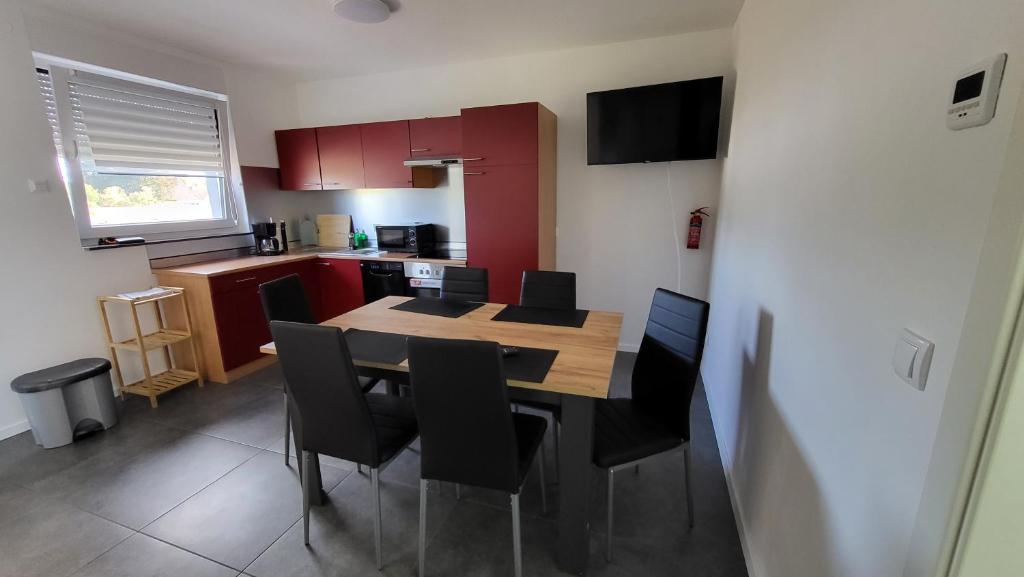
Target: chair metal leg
556, 430
458, 492
304, 462
611, 495
359, 468
423, 527
288, 431
517, 545
689, 490
543, 485
636, 469
375, 481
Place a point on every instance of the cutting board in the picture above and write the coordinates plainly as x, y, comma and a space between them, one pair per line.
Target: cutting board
333, 230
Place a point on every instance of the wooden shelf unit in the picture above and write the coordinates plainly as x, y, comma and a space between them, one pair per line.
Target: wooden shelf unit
165, 338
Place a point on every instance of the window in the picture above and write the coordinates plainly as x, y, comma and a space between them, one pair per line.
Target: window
138, 158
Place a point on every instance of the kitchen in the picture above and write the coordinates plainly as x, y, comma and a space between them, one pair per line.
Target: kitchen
484, 179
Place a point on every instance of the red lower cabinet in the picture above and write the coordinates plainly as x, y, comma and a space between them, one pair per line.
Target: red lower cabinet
341, 286
502, 226
241, 325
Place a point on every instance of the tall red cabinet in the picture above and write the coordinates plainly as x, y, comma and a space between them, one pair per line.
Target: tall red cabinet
509, 167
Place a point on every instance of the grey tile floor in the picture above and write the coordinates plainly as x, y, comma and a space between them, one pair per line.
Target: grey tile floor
198, 487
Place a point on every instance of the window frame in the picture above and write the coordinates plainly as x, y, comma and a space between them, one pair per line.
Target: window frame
60, 74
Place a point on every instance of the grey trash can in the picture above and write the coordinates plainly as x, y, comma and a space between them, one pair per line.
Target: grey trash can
67, 401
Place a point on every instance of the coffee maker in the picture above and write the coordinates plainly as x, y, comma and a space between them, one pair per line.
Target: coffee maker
265, 234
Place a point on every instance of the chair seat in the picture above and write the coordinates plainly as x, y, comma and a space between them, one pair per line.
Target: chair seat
394, 419
530, 431
624, 433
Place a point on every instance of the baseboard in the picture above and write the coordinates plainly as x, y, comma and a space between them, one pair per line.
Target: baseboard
14, 429
753, 569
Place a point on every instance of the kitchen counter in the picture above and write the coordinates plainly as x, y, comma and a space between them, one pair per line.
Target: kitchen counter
233, 265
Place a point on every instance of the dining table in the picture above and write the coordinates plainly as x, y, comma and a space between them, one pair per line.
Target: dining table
580, 372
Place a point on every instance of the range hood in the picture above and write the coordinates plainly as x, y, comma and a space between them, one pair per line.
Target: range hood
434, 161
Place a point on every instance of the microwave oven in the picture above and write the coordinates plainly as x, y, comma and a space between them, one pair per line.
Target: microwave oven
417, 239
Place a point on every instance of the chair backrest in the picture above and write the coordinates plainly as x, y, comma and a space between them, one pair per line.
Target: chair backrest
466, 429
332, 412
666, 368
464, 284
548, 289
284, 299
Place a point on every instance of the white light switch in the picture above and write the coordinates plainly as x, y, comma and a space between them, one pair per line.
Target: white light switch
912, 358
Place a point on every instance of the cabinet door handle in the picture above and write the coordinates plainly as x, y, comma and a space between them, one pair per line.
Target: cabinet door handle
324, 263
473, 173
335, 183
419, 150
472, 159
242, 280
311, 184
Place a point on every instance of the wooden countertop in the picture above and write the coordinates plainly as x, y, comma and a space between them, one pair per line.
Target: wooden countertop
585, 355
232, 265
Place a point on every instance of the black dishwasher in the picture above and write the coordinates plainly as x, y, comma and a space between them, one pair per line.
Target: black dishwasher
382, 278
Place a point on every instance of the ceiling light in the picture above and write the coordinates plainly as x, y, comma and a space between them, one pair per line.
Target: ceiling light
362, 11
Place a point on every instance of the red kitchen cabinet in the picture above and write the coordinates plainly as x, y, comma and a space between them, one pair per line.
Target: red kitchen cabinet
341, 157
385, 149
510, 193
299, 159
436, 136
501, 135
241, 325
341, 286
502, 226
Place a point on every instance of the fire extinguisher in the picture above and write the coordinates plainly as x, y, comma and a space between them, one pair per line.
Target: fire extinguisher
696, 222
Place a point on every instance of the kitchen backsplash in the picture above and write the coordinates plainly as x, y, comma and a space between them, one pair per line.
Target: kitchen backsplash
443, 205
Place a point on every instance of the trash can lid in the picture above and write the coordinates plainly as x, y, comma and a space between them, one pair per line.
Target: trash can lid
60, 375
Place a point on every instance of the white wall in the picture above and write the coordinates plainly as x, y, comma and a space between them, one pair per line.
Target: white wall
47, 302
617, 225
444, 205
848, 211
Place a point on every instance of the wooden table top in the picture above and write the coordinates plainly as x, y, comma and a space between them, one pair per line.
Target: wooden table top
585, 355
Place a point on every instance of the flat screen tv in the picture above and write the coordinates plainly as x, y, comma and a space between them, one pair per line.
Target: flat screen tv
657, 123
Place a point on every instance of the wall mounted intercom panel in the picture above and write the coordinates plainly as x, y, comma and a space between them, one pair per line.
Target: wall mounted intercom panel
975, 92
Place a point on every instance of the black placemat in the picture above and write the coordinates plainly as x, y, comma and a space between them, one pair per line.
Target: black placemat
375, 347
529, 364
437, 307
542, 316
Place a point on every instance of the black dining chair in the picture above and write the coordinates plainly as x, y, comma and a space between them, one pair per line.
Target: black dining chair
548, 289
460, 283
656, 420
552, 290
468, 433
335, 416
284, 299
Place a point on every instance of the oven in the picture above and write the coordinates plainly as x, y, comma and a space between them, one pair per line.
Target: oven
424, 279
417, 238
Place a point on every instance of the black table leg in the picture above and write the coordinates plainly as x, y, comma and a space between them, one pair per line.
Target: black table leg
574, 484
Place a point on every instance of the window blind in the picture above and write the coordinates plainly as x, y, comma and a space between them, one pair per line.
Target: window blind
125, 131
50, 106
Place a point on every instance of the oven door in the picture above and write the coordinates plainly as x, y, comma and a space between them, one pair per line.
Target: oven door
424, 287
393, 238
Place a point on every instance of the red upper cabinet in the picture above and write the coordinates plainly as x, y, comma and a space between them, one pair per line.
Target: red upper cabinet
299, 160
341, 157
500, 135
385, 149
436, 136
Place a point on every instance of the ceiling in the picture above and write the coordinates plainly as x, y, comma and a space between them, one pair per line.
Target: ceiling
304, 38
